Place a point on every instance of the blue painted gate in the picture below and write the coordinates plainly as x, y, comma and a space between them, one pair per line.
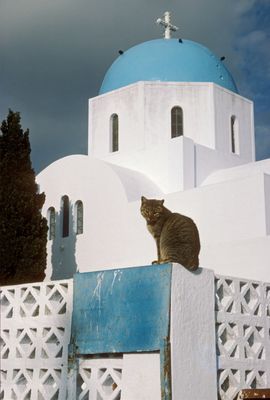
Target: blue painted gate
121, 311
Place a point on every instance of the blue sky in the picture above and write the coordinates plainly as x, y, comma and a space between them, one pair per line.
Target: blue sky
54, 54
253, 51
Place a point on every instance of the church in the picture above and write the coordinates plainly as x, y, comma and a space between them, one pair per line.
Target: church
168, 123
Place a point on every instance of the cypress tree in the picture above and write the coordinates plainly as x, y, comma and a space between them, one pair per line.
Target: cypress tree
23, 230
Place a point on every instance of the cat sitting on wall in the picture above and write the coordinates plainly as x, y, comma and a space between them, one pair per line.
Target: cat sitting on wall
176, 236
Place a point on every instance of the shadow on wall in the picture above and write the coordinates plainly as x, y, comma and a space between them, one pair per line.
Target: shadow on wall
63, 258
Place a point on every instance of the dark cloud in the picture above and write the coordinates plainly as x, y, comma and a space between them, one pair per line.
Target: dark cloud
55, 53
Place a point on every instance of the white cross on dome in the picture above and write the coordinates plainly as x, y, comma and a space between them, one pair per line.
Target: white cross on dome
166, 23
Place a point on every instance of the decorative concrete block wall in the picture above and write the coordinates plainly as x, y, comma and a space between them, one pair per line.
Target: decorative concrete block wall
35, 332
98, 379
36, 327
243, 335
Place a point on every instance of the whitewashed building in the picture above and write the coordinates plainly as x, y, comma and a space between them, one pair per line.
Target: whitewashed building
168, 123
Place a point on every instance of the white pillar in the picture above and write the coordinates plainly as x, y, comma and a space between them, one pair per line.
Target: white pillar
193, 344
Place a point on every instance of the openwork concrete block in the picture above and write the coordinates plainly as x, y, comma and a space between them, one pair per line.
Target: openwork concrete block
35, 332
243, 335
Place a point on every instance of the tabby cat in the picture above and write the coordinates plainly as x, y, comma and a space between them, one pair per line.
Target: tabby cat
176, 235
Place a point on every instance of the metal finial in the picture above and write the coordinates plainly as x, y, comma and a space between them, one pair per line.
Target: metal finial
166, 23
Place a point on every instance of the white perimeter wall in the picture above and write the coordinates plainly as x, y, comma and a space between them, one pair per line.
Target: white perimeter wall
219, 339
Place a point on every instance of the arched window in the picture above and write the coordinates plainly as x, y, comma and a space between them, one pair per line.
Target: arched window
176, 121
79, 217
51, 222
65, 216
234, 135
114, 133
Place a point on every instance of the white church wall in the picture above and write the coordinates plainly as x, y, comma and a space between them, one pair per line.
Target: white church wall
196, 101
115, 233
240, 172
247, 257
144, 110
207, 161
145, 142
170, 165
76, 176
108, 228
241, 247
225, 205
226, 105
128, 104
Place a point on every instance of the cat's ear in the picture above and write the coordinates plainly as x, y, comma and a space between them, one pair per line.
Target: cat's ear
162, 202
143, 199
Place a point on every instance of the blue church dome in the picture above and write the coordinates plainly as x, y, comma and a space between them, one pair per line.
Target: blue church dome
167, 60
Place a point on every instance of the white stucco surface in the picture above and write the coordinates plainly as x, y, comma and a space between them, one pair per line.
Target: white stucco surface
141, 377
144, 110
109, 236
227, 104
145, 144
193, 350
226, 194
232, 216
239, 172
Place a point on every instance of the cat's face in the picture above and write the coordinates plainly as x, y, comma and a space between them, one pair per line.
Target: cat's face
151, 209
